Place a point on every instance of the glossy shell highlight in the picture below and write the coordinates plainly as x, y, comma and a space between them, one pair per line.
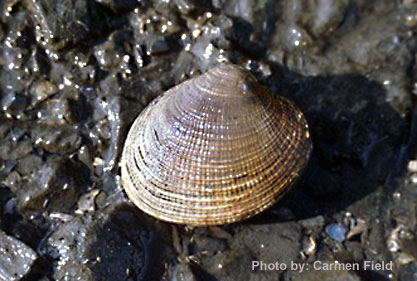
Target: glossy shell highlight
213, 150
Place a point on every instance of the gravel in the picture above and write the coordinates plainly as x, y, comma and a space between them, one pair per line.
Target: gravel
75, 74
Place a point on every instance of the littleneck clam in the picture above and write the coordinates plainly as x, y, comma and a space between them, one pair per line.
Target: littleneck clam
215, 149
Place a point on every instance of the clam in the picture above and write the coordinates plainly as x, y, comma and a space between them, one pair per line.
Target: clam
213, 150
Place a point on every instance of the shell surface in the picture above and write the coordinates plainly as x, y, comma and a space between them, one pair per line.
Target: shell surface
215, 149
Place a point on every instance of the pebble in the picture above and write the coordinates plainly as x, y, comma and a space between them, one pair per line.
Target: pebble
310, 246
357, 229
16, 258
412, 166
336, 232
414, 178
43, 90
311, 223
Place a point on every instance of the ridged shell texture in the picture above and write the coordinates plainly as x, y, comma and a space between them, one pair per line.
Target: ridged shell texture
215, 149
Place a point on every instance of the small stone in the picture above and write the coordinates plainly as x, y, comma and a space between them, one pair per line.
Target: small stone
412, 166
336, 232
14, 104
16, 258
15, 150
158, 45
208, 245
113, 241
413, 178
56, 139
359, 228
13, 181
313, 223
394, 242
405, 258
74, 271
63, 21
43, 90
309, 246
84, 155
86, 203
60, 216
29, 164
54, 187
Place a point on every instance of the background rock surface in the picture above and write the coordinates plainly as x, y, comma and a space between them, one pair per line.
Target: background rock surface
74, 74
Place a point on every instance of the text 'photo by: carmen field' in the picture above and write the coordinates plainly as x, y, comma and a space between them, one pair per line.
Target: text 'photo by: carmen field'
321, 265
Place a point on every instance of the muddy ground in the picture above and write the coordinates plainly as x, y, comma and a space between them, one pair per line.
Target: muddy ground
74, 74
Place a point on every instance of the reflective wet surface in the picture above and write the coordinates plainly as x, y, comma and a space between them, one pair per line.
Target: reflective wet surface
75, 74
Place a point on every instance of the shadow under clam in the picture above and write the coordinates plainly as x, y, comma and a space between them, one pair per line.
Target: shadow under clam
357, 138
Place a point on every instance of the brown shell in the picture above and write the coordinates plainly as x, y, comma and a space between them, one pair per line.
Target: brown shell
215, 149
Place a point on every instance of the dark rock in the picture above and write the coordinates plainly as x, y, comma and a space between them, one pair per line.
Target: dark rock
189, 7
79, 109
62, 139
65, 20
122, 244
29, 231
346, 163
158, 45
70, 22
53, 111
20, 38
29, 164
283, 246
120, 5
407, 272
41, 90
313, 223
12, 84
56, 186
254, 24
116, 243
355, 250
15, 104
233, 265
5, 196
209, 245
376, 238
12, 150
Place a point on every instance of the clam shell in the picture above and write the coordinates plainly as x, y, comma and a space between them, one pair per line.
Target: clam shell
215, 149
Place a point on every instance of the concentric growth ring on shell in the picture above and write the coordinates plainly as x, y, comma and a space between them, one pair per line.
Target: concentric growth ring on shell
215, 149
